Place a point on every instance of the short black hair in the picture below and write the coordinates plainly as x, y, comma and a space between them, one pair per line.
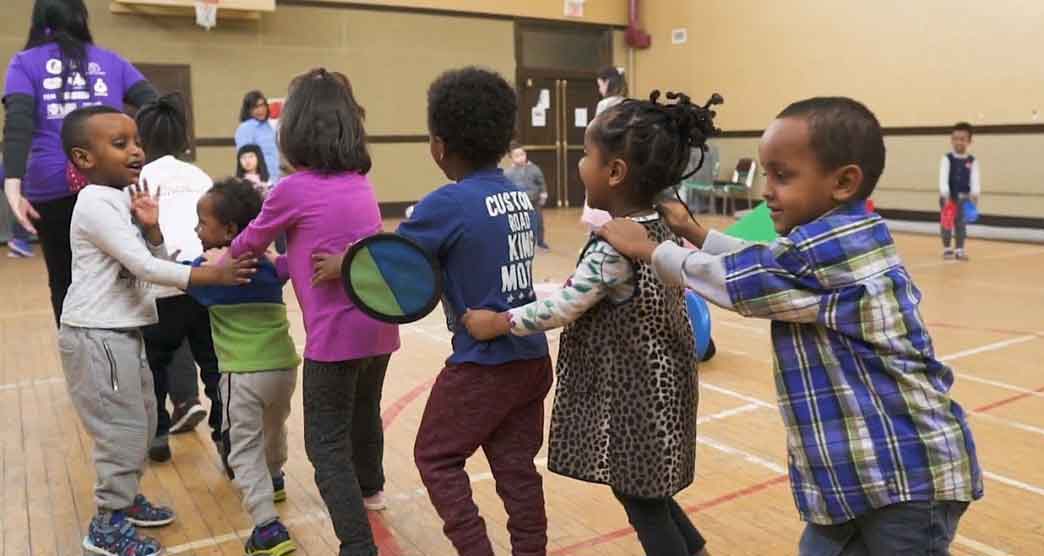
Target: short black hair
236, 201
473, 111
321, 126
615, 84
655, 139
163, 127
249, 100
964, 126
843, 131
513, 145
262, 167
74, 126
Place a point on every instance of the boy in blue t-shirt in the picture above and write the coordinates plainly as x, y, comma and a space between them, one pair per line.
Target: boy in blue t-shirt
490, 395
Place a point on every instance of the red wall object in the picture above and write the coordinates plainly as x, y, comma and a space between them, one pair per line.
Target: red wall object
635, 36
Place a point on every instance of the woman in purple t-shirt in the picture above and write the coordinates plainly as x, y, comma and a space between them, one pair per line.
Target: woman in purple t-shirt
59, 71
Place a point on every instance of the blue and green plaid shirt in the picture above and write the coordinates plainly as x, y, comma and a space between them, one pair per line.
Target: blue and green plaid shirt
864, 400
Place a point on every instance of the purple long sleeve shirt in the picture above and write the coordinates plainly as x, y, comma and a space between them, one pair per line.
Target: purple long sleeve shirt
323, 214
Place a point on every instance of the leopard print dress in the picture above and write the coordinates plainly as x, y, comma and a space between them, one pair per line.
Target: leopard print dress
625, 404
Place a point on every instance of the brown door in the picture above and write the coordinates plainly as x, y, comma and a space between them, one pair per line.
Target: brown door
169, 78
557, 66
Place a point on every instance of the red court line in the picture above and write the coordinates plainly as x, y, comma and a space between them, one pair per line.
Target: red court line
392, 413
620, 533
1007, 401
382, 535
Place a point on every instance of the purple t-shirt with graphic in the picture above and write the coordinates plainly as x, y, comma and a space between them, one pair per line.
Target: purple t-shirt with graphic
37, 72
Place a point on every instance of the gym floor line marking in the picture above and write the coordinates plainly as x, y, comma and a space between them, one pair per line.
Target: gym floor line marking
30, 383
1008, 400
989, 347
1008, 423
628, 531
765, 463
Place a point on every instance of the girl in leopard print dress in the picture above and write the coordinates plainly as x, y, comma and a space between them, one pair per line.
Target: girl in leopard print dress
625, 402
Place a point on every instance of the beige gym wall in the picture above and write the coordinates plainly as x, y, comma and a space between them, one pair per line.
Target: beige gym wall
923, 63
389, 55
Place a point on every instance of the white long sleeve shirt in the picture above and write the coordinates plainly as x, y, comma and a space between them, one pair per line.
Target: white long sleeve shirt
113, 266
944, 176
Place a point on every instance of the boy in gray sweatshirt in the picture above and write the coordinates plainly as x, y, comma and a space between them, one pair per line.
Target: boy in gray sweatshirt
118, 253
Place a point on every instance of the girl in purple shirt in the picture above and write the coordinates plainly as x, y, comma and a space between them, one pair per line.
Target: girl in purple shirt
324, 207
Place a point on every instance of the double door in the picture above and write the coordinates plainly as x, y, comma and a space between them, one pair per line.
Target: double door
554, 113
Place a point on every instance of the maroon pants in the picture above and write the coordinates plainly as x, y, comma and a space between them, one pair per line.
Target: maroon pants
501, 410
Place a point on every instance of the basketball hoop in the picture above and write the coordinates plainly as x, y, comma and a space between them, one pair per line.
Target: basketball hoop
206, 13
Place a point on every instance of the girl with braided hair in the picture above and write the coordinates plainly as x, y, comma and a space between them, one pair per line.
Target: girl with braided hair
625, 404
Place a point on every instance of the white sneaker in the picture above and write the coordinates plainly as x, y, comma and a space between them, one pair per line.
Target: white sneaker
375, 503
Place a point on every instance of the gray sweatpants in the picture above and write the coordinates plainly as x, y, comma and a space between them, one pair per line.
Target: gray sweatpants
110, 385
257, 406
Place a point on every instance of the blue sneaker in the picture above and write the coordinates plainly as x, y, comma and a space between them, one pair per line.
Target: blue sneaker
279, 487
270, 540
113, 535
143, 514
20, 248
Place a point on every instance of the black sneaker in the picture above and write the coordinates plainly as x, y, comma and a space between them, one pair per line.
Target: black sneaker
144, 514
186, 416
270, 540
159, 449
279, 487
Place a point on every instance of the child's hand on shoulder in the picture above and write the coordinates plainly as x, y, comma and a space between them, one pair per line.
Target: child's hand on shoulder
212, 256
326, 266
485, 325
235, 271
629, 238
681, 222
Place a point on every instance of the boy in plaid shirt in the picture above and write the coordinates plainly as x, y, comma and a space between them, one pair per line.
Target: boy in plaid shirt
881, 459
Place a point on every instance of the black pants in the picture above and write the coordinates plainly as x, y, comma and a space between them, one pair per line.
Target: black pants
52, 230
181, 319
344, 439
662, 526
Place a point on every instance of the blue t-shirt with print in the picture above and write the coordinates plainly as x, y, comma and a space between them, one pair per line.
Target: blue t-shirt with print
480, 230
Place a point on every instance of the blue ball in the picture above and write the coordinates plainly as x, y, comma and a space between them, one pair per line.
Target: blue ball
699, 316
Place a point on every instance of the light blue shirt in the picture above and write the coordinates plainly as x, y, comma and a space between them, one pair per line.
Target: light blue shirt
262, 134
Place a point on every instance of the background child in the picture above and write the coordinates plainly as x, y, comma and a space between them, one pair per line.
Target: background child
612, 389
258, 365
528, 177
324, 207
164, 134
117, 251
958, 182
250, 165
875, 444
489, 395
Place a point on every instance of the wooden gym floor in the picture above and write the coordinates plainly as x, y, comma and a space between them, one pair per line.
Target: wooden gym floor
986, 317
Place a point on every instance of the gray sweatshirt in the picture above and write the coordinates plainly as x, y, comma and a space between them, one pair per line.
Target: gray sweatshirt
113, 266
528, 178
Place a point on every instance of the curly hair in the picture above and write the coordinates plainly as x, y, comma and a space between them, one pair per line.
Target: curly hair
843, 131
236, 201
655, 139
473, 110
